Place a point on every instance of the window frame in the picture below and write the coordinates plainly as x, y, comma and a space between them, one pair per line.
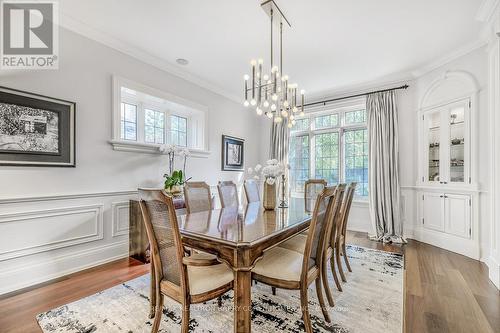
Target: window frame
340, 109
197, 131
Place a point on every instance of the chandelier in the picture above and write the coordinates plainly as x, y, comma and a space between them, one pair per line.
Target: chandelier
272, 94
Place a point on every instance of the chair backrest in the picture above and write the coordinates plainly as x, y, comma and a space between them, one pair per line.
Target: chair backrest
228, 194
312, 187
317, 234
335, 225
164, 237
197, 197
252, 190
346, 207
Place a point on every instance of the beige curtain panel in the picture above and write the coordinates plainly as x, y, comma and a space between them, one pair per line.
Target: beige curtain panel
383, 170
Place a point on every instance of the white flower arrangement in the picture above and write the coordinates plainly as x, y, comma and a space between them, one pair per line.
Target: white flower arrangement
270, 172
171, 151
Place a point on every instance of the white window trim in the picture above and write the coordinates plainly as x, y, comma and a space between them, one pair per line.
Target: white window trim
140, 146
340, 109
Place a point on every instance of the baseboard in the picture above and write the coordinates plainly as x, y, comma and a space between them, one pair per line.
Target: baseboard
494, 271
29, 275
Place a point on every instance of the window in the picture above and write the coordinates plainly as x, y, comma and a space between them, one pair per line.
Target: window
128, 122
178, 130
326, 157
145, 118
154, 126
299, 162
330, 144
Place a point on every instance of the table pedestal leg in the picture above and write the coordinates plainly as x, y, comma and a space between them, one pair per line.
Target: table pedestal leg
242, 301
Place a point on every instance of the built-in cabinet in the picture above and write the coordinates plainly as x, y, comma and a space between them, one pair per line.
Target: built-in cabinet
448, 213
446, 187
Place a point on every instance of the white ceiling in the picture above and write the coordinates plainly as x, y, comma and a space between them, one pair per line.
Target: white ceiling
332, 44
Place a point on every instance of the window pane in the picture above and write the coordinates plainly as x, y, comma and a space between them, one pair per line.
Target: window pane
130, 131
299, 162
149, 134
130, 113
149, 119
327, 157
128, 123
301, 125
356, 159
158, 136
178, 130
355, 117
327, 121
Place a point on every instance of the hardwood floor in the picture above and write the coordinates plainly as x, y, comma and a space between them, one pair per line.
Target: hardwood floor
444, 291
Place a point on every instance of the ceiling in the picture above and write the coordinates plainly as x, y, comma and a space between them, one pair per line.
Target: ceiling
332, 44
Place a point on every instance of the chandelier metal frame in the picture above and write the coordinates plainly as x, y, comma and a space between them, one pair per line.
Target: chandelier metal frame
272, 94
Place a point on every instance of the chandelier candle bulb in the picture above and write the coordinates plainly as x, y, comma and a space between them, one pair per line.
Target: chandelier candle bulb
253, 63
246, 77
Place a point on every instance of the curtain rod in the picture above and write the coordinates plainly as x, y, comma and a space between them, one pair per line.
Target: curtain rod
353, 96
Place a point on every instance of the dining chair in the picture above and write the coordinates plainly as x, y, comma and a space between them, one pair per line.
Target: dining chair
341, 236
185, 279
298, 242
197, 197
251, 190
287, 269
228, 194
312, 187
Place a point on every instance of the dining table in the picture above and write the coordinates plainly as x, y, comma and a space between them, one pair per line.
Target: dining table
239, 237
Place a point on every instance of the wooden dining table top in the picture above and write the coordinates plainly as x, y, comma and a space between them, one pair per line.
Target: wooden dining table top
239, 237
245, 225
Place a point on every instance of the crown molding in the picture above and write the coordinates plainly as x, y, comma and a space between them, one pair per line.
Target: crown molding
486, 10
85, 30
466, 49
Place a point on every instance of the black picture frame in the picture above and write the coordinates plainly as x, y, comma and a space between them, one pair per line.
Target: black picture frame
32, 128
233, 153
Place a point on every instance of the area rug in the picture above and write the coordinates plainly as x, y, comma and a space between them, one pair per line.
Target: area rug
372, 301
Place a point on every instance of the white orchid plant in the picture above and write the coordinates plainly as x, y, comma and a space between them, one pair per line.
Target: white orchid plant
174, 177
270, 172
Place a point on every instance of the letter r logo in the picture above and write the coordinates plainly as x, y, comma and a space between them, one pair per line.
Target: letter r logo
27, 28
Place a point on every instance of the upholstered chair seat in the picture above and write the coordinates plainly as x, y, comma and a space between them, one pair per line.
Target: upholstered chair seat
280, 264
297, 243
206, 278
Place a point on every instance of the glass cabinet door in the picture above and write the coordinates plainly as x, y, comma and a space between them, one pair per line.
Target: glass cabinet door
433, 141
457, 137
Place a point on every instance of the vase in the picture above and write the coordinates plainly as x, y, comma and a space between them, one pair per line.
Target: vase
269, 198
174, 191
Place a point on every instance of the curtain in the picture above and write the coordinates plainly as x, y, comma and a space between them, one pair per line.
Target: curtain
383, 173
280, 136
279, 142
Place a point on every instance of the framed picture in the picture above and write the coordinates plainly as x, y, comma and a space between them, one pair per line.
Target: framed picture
232, 153
36, 130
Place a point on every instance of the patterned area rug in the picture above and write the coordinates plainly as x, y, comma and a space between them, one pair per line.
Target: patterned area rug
372, 301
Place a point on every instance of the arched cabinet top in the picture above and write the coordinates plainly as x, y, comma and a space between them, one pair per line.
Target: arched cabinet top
450, 86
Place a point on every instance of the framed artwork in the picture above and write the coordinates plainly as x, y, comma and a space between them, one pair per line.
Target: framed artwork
232, 153
36, 130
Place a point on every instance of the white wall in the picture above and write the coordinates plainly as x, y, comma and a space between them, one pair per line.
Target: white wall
42, 238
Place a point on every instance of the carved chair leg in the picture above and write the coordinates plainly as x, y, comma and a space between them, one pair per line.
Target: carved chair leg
305, 309
273, 289
339, 263
324, 278
158, 312
345, 258
319, 294
334, 272
185, 318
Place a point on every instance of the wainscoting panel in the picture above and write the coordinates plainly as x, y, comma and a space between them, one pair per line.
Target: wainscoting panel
120, 218
31, 232
43, 238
